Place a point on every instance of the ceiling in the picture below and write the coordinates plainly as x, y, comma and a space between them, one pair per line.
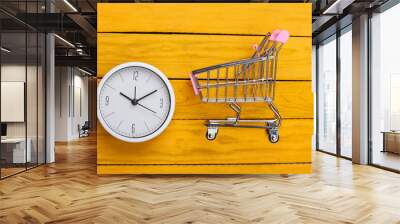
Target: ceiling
202, 1
75, 22
332, 15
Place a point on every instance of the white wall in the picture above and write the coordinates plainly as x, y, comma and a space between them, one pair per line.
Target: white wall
13, 101
71, 102
62, 81
80, 110
16, 73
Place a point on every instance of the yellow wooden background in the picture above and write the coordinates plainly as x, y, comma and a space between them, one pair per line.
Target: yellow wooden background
178, 38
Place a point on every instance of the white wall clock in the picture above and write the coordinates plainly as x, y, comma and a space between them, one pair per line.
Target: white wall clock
135, 102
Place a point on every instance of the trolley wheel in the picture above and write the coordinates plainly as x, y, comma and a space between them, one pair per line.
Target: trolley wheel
211, 133
273, 135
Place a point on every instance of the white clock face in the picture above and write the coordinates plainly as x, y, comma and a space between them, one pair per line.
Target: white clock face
135, 102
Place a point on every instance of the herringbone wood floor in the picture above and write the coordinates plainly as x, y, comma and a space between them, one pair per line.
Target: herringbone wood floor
69, 191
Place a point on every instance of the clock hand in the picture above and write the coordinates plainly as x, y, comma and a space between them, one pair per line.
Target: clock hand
126, 97
146, 95
146, 108
135, 94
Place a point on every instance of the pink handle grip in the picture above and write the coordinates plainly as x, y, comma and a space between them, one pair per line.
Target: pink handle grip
274, 35
194, 84
283, 36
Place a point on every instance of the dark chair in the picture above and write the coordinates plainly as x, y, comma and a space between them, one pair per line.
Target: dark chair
84, 129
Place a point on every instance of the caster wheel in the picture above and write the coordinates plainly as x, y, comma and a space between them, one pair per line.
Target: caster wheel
273, 136
211, 136
211, 133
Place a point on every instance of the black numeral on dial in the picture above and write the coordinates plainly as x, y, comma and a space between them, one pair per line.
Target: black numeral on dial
133, 128
135, 75
107, 100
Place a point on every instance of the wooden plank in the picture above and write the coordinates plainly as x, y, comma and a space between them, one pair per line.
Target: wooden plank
293, 99
178, 55
237, 18
207, 169
179, 38
184, 142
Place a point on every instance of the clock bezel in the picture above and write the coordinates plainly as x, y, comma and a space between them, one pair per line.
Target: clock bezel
171, 111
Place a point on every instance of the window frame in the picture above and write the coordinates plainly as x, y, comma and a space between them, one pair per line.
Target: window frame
334, 37
380, 9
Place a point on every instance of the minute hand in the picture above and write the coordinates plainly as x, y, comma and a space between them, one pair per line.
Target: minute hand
127, 97
146, 95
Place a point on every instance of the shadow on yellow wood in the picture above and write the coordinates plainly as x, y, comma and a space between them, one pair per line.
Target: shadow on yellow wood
293, 99
184, 142
207, 169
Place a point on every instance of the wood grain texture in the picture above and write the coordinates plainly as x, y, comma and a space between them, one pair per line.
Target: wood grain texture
179, 38
178, 55
293, 99
184, 142
238, 18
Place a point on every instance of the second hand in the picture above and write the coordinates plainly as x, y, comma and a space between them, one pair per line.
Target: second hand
146, 108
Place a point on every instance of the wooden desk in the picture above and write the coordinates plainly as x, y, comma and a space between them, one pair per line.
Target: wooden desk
16, 153
391, 141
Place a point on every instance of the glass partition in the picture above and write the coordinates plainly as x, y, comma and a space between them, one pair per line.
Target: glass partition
22, 78
327, 95
385, 89
346, 93
13, 94
334, 94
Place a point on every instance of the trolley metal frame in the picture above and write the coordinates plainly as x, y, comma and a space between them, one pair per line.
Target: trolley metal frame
244, 81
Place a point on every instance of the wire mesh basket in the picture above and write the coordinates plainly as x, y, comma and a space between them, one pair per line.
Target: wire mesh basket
244, 81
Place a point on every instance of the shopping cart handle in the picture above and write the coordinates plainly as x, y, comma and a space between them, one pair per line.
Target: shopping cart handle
195, 86
283, 36
255, 46
274, 35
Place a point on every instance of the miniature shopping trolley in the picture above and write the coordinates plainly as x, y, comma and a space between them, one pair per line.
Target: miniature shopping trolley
244, 81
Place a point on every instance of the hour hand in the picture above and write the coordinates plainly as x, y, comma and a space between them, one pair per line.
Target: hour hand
126, 96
